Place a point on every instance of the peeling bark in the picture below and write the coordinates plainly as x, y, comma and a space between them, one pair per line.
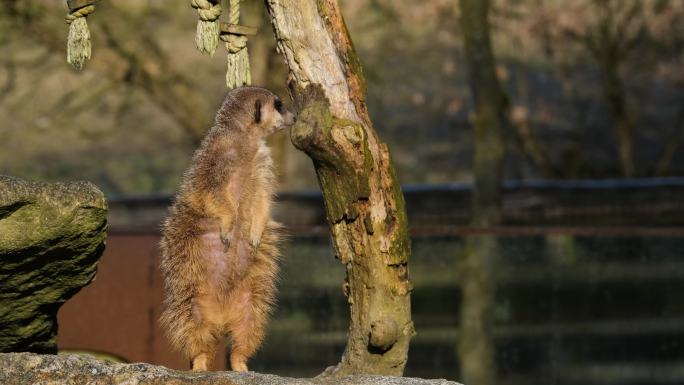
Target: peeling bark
364, 203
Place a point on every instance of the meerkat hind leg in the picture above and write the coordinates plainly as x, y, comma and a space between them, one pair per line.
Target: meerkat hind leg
201, 341
202, 362
248, 332
238, 363
203, 356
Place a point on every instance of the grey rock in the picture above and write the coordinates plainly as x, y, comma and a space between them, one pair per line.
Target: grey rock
51, 238
69, 369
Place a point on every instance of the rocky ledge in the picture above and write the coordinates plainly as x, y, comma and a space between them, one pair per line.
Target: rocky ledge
28, 368
51, 238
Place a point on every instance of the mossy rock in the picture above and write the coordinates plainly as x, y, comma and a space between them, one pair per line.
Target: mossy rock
51, 238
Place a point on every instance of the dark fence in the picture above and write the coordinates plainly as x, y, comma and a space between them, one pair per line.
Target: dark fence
620, 202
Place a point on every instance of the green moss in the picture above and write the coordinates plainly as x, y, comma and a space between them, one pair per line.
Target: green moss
400, 248
364, 188
342, 183
51, 236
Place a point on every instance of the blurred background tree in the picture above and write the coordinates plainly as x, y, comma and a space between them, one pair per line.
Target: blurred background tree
476, 348
595, 89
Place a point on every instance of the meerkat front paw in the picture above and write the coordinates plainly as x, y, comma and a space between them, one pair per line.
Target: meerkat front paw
226, 238
255, 242
255, 238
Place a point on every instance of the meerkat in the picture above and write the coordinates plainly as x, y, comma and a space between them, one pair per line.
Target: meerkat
219, 245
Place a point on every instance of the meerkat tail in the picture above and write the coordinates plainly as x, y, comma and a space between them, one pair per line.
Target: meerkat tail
181, 270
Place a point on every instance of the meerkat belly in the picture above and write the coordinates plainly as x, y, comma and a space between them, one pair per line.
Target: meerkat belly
214, 259
223, 266
224, 271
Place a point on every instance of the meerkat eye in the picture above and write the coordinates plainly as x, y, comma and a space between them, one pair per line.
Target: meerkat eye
278, 104
257, 111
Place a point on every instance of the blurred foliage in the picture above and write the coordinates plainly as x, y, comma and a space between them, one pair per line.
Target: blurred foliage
130, 120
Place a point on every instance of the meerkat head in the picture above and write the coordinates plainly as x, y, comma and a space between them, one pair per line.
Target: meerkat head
259, 110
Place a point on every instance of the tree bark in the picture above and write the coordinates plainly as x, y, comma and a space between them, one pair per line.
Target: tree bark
475, 348
364, 203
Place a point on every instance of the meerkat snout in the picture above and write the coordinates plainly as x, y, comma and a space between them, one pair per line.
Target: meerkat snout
271, 115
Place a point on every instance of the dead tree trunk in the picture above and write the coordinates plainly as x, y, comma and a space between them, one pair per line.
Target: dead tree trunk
476, 350
364, 203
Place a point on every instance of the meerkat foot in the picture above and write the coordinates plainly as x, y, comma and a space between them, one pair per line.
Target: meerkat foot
238, 363
200, 363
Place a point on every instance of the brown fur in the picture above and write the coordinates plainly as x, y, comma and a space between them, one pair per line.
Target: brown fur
219, 246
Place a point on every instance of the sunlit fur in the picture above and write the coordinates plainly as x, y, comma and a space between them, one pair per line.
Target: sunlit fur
219, 245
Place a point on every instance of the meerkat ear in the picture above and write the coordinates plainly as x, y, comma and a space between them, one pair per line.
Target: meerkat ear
257, 111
